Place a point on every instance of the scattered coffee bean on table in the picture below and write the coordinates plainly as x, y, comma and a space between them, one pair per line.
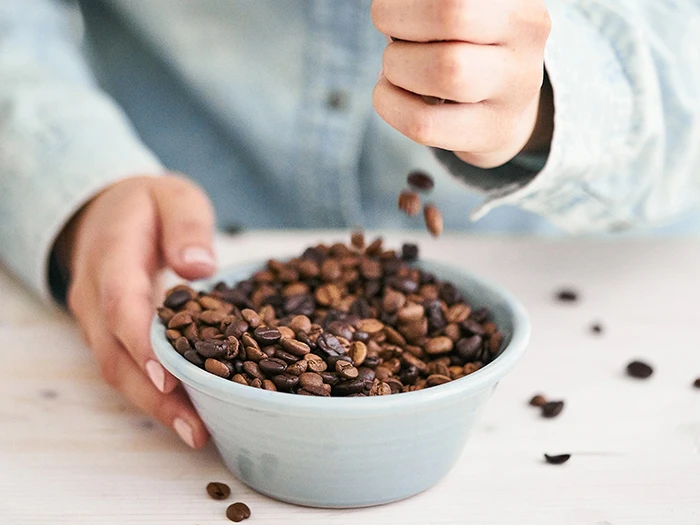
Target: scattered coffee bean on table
338, 320
559, 459
433, 219
597, 328
567, 295
238, 512
696, 384
639, 370
420, 181
538, 400
218, 490
552, 409
409, 203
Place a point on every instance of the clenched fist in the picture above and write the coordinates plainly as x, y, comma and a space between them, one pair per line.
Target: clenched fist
485, 58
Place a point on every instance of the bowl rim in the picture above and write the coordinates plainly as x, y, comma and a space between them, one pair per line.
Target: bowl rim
255, 398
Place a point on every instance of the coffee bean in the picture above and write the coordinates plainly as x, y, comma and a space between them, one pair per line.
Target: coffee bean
552, 409
322, 390
238, 512
379, 388
409, 203
457, 313
473, 327
357, 352
468, 347
194, 358
346, 370
696, 384
295, 347
557, 460
285, 382
239, 378
567, 295
237, 328
331, 270
219, 368
409, 375
287, 357
315, 363
299, 304
375, 247
438, 345
266, 335
330, 378
420, 180
212, 317
218, 490
180, 320
433, 219
409, 252
273, 366
269, 385
597, 328
438, 379
182, 345
165, 314
538, 401
470, 368
177, 299
357, 240
639, 370
300, 323
340, 329
329, 345
212, 348
352, 386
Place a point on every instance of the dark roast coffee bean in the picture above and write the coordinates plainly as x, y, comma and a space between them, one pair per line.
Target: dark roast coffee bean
567, 295
236, 329
639, 370
472, 327
334, 359
557, 460
285, 382
480, 315
420, 180
182, 345
409, 252
266, 336
218, 491
238, 512
330, 378
538, 401
360, 336
212, 348
253, 370
286, 356
696, 384
409, 375
299, 305
360, 308
352, 386
468, 347
194, 358
436, 318
329, 345
597, 328
271, 367
340, 329
371, 361
177, 299
552, 409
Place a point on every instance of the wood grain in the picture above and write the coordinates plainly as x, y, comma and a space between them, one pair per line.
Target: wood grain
72, 451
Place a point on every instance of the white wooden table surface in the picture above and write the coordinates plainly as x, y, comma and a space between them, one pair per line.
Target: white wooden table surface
72, 451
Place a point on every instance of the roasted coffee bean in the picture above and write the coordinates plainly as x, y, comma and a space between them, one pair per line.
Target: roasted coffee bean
395, 384
438, 379
473, 327
266, 335
315, 363
357, 240
538, 400
238, 512
351, 386
457, 313
330, 378
253, 353
272, 366
409, 203
375, 247
357, 352
433, 219
495, 342
410, 313
334, 359
165, 314
567, 295
379, 388
340, 329
696, 384
639, 370
194, 358
409, 252
552, 409
470, 368
438, 345
287, 357
436, 317
211, 332
253, 370
177, 298
403, 284
420, 180
212, 317
239, 378
297, 368
295, 347
219, 368
299, 305
269, 385
597, 328
285, 382
331, 270
322, 390
218, 490
367, 374
393, 300
346, 370
310, 378
212, 348
371, 361
180, 320
236, 329
558, 459
329, 345
468, 347
182, 345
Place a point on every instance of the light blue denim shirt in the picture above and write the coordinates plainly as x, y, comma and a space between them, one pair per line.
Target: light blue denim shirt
268, 105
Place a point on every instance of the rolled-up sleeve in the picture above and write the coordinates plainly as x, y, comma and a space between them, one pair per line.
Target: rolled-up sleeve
626, 145
61, 139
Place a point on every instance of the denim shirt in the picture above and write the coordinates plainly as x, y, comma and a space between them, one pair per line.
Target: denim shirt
267, 104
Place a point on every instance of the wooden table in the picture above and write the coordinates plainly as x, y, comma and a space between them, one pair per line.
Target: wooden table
72, 451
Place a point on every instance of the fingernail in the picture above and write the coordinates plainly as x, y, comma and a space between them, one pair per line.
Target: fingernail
156, 373
197, 255
184, 430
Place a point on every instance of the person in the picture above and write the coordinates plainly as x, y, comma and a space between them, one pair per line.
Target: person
582, 116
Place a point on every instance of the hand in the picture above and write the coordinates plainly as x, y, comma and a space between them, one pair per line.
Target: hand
487, 56
114, 247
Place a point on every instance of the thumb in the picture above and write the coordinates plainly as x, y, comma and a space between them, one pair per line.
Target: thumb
187, 227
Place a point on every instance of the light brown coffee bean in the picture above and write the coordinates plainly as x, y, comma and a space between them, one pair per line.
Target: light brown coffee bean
357, 352
453, 331
495, 342
370, 269
210, 332
357, 240
379, 388
295, 347
457, 313
269, 385
295, 289
456, 372
253, 370
346, 370
165, 314
438, 345
393, 301
254, 354
437, 379
300, 323
286, 332
219, 368
331, 270
383, 372
375, 247
308, 269
410, 313
249, 341
328, 294
172, 335
251, 317
316, 363
433, 219
239, 378
182, 345
412, 360
210, 303
193, 307
256, 383
310, 378
180, 320
409, 202
470, 368
393, 336
370, 326
298, 367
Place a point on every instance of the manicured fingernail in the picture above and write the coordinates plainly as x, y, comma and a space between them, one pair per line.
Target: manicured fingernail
184, 430
157, 374
197, 255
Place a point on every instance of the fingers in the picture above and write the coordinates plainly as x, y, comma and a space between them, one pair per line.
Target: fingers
173, 410
187, 226
475, 21
454, 71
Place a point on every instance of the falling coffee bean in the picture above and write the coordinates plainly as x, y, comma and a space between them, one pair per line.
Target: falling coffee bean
420, 181
218, 490
409, 203
639, 370
558, 459
238, 512
567, 295
552, 409
433, 219
696, 384
409, 252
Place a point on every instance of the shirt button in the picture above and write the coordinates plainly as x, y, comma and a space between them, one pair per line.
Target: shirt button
337, 100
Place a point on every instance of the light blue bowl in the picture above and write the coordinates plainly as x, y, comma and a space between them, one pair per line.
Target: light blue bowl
353, 452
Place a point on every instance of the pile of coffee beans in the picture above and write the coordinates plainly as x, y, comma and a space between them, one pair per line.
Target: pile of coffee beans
409, 201
340, 320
